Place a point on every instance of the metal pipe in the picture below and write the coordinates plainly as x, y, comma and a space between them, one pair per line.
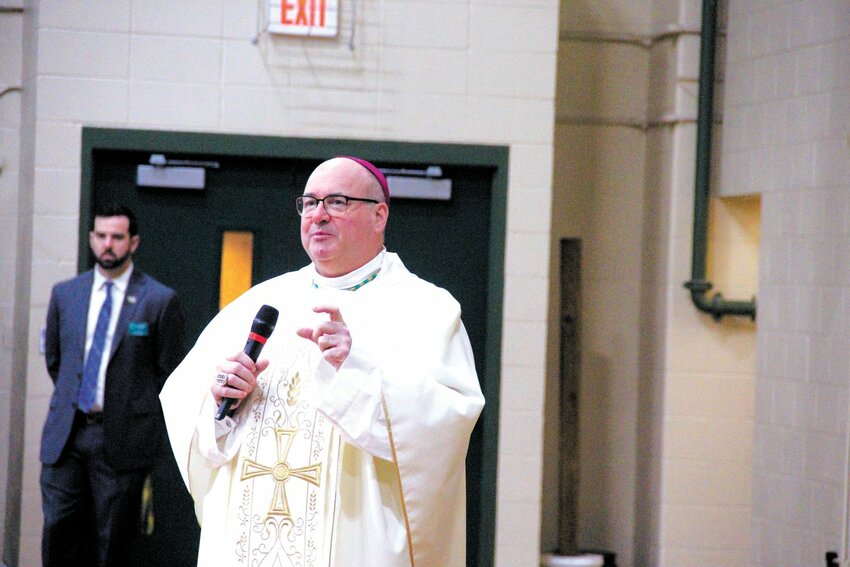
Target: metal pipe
644, 41
665, 120
698, 285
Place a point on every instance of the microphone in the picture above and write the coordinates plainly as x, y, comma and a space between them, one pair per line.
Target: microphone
261, 330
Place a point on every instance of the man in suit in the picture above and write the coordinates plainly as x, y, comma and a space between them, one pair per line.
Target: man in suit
113, 336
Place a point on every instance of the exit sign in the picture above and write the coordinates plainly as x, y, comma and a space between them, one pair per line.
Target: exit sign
304, 17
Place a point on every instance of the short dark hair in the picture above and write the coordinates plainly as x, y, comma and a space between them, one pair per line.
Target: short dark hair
117, 210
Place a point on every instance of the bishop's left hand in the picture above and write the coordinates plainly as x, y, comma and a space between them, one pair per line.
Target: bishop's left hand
332, 337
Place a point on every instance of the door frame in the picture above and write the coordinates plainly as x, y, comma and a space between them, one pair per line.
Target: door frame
241, 145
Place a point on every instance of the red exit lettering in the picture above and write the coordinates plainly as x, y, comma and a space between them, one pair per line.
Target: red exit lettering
307, 13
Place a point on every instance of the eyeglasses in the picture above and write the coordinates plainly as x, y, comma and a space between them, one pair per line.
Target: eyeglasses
335, 205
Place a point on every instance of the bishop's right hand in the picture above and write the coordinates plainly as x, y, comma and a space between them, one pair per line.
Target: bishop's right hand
236, 377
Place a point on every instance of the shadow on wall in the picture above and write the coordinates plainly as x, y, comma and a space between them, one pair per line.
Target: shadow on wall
595, 473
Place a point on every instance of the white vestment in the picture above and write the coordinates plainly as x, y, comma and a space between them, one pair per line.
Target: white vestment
364, 466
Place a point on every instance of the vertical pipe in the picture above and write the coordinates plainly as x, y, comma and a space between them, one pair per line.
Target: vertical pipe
717, 307
705, 117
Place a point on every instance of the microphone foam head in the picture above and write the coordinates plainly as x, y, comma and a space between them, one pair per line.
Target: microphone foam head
265, 321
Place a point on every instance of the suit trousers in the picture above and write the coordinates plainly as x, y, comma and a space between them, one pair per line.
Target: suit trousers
91, 510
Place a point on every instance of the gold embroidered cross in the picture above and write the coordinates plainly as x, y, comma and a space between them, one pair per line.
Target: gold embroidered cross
281, 472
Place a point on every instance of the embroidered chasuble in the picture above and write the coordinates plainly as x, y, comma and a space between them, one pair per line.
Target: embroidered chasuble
361, 466
287, 467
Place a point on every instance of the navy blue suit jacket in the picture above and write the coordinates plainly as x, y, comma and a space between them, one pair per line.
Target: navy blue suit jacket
147, 346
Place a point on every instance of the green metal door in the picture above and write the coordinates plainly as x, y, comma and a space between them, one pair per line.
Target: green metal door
445, 242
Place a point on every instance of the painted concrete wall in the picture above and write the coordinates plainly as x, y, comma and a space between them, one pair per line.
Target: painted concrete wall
787, 138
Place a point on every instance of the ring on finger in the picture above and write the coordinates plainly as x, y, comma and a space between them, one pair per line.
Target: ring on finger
221, 378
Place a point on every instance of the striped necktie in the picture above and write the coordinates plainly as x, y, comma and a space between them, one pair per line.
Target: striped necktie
88, 389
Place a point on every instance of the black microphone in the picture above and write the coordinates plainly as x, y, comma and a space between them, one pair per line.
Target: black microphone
261, 330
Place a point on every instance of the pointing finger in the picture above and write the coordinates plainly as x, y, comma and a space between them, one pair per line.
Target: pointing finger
331, 310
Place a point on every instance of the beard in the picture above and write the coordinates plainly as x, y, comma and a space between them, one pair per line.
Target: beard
112, 263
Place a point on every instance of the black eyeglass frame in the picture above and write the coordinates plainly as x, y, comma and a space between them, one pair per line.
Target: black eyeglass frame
299, 202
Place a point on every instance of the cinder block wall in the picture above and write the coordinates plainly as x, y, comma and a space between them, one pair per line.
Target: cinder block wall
787, 138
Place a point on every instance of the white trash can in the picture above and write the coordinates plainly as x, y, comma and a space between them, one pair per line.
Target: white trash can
584, 560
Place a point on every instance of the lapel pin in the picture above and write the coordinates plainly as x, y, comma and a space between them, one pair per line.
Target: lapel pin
131, 299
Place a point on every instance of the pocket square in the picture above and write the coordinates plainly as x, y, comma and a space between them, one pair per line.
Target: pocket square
138, 329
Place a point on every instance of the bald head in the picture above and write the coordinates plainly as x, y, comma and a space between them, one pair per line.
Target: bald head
353, 172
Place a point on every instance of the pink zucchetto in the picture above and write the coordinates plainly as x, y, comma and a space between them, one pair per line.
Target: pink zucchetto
375, 172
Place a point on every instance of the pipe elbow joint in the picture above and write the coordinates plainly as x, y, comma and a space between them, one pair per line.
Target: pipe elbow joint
717, 306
